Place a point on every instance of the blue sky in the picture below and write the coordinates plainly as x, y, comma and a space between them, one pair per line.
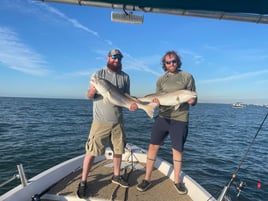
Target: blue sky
51, 49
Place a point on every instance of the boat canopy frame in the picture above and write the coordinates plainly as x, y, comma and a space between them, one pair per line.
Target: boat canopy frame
239, 10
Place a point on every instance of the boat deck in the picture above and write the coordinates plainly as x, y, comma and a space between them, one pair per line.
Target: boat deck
100, 186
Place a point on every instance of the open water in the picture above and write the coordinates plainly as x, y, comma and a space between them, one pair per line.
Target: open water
40, 133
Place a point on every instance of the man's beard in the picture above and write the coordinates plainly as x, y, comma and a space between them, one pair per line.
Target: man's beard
114, 68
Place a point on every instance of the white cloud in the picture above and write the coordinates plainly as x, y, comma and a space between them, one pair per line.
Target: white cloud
196, 57
140, 64
235, 77
18, 56
82, 73
74, 22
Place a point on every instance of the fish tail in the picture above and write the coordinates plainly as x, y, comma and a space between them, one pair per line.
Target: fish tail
149, 109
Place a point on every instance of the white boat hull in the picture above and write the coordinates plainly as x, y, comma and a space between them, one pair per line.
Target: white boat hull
44, 180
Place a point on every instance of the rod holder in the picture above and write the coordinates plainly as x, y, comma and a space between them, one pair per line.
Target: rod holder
23, 178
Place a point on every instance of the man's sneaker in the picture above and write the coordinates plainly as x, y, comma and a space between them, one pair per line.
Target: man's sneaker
81, 190
180, 187
120, 181
143, 186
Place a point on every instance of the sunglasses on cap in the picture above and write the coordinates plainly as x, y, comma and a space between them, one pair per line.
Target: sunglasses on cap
118, 57
172, 61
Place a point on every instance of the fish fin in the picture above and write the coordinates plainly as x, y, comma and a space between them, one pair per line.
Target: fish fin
106, 100
177, 106
150, 108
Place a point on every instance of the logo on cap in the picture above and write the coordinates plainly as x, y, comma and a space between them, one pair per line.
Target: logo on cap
115, 52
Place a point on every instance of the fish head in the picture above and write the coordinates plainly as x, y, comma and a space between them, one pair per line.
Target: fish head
100, 84
186, 95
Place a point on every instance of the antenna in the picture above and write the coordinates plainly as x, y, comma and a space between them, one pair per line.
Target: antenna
126, 17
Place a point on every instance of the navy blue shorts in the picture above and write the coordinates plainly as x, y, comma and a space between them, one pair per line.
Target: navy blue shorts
177, 130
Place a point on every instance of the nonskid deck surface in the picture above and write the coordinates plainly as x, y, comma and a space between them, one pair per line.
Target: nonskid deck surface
100, 185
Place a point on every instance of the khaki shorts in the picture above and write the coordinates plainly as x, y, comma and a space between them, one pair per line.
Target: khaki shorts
101, 133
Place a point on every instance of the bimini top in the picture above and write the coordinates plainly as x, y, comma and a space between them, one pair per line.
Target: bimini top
241, 10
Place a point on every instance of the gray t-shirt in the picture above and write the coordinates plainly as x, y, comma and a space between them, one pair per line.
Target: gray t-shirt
106, 111
169, 83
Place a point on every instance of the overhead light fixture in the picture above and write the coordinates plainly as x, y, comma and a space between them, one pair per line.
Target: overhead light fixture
126, 17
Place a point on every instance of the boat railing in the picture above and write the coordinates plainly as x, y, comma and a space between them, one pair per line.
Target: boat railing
20, 176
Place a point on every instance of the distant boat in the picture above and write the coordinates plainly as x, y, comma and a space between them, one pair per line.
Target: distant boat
238, 105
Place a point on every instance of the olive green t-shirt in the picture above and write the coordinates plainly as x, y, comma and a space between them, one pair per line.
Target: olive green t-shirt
169, 83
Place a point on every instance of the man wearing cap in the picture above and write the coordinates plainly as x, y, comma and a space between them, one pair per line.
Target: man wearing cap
107, 125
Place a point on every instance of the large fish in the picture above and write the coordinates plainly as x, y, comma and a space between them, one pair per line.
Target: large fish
175, 98
113, 95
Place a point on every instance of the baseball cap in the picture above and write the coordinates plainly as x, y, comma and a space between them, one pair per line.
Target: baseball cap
115, 52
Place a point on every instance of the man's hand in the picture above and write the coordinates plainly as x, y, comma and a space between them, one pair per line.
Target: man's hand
155, 100
192, 101
91, 91
133, 107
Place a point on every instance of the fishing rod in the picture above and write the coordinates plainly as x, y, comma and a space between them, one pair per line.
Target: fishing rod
234, 175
